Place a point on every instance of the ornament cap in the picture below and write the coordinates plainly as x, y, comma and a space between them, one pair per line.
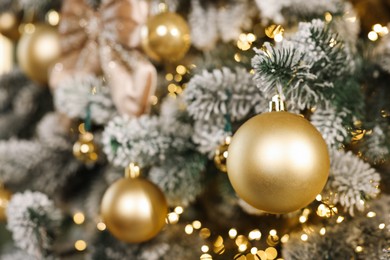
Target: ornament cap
132, 171
277, 104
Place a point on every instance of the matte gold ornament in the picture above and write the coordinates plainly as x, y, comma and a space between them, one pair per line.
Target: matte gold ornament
85, 148
221, 155
278, 162
9, 25
38, 49
134, 209
5, 197
166, 36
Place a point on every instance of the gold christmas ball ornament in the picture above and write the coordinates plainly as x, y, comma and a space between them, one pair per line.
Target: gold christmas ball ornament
278, 162
166, 36
134, 209
85, 148
38, 49
5, 197
9, 25
221, 155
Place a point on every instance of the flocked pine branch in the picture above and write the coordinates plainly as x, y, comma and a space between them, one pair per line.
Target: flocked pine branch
33, 220
44, 163
374, 145
352, 181
180, 178
330, 124
296, 9
138, 140
223, 92
74, 96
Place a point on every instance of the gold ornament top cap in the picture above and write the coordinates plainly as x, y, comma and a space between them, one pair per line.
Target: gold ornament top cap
132, 171
277, 104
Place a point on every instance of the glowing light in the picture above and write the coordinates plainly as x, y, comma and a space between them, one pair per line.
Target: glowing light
161, 30
272, 232
232, 233
371, 214
382, 225
340, 219
154, 100
179, 210
101, 226
78, 218
196, 224
377, 28
251, 37
172, 218
271, 253
205, 233
169, 77
372, 36
322, 231
302, 219
285, 238
175, 32
278, 37
237, 57
304, 237
359, 249
6, 54
206, 257
254, 235
328, 17
80, 245
204, 249
180, 69
53, 17
29, 28
188, 229
254, 250
242, 247
178, 78
84, 148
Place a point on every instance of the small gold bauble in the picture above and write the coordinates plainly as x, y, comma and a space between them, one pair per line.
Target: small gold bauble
134, 210
166, 36
5, 196
38, 49
85, 148
9, 25
278, 162
221, 155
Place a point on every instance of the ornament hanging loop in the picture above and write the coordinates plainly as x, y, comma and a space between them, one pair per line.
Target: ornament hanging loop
277, 104
132, 171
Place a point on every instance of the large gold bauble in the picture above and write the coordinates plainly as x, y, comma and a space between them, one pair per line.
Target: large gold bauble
85, 149
38, 49
134, 210
166, 36
278, 162
5, 196
9, 25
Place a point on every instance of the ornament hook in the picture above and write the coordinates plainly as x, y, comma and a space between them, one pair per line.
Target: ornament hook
277, 104
132, 171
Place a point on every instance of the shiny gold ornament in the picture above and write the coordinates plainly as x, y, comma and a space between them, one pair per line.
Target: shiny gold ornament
166, 36
5, 196
133, 208
85, 148
9, 25
38, 49
278, 162
221, 155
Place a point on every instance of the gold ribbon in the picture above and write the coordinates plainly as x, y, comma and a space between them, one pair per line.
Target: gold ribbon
104, 42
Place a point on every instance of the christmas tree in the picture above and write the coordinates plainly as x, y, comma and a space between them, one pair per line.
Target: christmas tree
134, 129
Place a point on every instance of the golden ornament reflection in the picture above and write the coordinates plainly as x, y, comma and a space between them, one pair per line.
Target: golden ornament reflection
134, 210
166, 36
278, 162
37, 51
